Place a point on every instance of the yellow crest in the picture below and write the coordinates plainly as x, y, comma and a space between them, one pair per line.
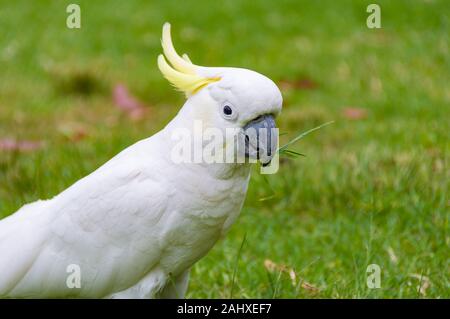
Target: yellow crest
181, 73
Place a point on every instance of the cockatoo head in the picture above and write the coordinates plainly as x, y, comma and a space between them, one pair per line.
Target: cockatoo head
227, 98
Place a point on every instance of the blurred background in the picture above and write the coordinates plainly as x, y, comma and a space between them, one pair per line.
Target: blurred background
372, 188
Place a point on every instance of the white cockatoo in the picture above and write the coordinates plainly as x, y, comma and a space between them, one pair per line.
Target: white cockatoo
134, 227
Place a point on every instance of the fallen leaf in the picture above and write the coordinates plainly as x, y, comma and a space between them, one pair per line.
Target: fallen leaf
10, 144
73, 131
354, 113
299, 84
127, 103
272, 267
424, 283
308, 286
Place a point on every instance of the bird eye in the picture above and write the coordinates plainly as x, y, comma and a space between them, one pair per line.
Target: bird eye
227, 110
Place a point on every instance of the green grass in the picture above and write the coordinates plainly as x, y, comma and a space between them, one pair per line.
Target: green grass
371, 190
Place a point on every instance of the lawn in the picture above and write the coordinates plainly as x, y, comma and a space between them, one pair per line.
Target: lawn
372, 188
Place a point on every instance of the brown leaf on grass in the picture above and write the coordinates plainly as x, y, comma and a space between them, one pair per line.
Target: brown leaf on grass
424, 283
128, 103
308, 286
299, 84
354, 113
75, 132
13, 145
272, 267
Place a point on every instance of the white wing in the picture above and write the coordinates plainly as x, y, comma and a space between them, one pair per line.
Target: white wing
21, 238
107, 225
